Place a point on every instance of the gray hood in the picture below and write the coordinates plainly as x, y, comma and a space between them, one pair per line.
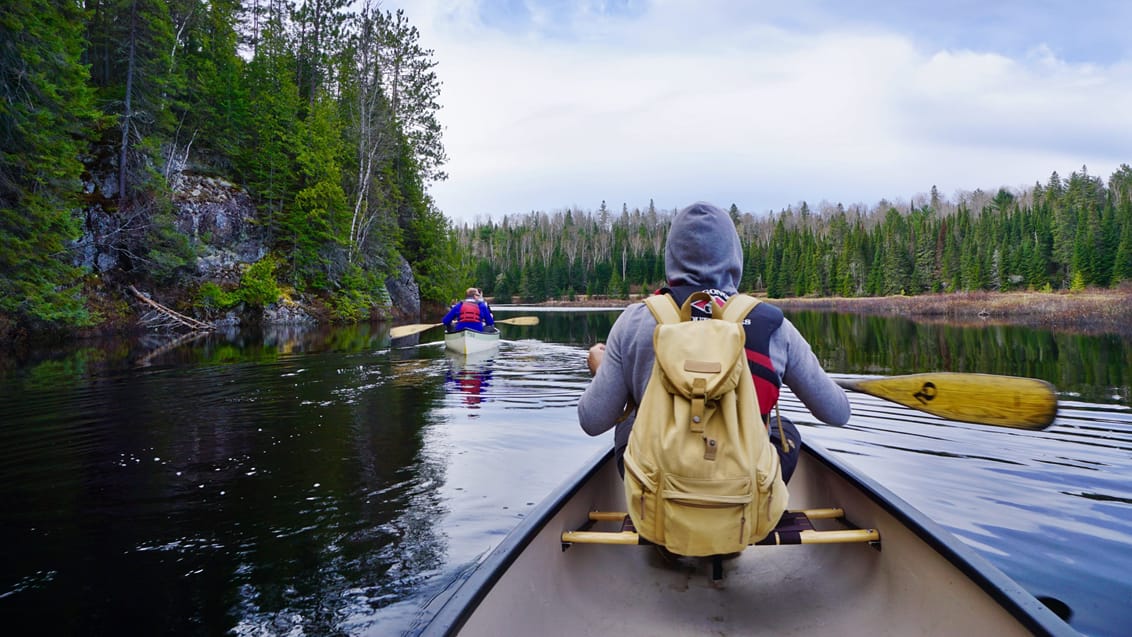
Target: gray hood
703, 249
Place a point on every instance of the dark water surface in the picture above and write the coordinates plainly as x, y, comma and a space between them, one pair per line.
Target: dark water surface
323, 482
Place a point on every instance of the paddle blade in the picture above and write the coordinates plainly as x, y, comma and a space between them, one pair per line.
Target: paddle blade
985, 399
520, 320
409, 330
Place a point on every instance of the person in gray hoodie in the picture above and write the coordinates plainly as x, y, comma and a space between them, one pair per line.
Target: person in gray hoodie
703, 253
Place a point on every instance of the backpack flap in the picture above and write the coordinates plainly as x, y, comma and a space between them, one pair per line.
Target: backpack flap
699, 361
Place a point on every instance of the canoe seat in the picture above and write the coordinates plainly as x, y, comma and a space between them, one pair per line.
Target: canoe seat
795, 527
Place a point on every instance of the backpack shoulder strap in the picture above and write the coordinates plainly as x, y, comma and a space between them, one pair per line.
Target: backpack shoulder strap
663, 308
738, 307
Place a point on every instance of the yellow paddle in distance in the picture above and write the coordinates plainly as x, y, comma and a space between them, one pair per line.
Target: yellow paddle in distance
985, 399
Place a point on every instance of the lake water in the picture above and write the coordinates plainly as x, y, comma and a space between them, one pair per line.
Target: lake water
322, 482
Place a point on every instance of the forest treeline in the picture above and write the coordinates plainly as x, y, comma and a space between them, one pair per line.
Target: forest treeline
324, 110
1068, 233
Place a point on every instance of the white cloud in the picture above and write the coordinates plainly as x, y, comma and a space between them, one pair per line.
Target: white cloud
677, 104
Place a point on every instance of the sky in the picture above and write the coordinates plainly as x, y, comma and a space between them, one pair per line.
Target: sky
550, 104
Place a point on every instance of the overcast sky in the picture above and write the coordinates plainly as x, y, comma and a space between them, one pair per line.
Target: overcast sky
555, 104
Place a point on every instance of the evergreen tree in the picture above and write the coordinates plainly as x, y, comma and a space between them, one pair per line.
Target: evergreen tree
319, 31
413, 89
218, 111
1122, 262
138, 82
444, 269
313, 228
267, 160
46, 110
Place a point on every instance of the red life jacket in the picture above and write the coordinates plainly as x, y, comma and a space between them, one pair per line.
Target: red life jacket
469, 312
764, 320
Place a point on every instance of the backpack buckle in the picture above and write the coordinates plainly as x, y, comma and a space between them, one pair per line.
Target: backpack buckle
699, 389
710, 447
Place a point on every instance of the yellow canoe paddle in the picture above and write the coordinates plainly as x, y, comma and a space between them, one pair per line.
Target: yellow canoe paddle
402, 331
985, 399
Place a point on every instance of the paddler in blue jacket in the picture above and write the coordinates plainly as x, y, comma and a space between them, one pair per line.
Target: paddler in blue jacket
470, 314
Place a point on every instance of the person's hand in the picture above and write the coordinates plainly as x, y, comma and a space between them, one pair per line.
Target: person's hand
593, 359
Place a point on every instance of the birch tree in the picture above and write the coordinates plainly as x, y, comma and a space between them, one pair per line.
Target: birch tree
370, 124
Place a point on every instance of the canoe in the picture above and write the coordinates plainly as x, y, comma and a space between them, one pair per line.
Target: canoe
917, 579
471, 341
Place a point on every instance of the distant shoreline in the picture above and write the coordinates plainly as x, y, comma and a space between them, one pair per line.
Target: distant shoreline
1087, 312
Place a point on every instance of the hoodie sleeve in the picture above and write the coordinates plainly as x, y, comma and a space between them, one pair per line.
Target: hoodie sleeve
623, 374
804, 375
603, 401
485, 314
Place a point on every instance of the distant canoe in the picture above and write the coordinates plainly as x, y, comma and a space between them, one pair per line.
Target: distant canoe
471, 341
546, 578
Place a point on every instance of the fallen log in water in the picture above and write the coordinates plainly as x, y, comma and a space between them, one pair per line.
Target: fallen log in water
161, 316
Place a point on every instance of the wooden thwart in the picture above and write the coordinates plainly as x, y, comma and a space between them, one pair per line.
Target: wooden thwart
795, 527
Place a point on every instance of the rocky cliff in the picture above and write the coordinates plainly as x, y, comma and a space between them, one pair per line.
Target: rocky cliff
221, 223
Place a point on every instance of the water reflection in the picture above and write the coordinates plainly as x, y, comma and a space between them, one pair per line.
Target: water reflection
272, 492
1092, 368
469, 375
299, 480
1095, 368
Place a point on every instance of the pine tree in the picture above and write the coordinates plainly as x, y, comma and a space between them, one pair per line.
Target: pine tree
46, 110
218, 111
266, 161
315, 226
1122, 262
133, 67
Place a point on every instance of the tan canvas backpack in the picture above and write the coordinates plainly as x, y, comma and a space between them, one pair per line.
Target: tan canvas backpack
701, 475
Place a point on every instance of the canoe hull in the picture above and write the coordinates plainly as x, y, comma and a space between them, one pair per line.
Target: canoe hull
921, 581
471, 341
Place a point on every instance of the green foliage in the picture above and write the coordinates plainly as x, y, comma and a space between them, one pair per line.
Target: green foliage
166, 249
616, 285
46, 107
504, 289
313, 230
266, 162
1122, 262
258, 286
218, 107
1077, 283
325, 111
361, 292
442, 270
212, 296
134, 67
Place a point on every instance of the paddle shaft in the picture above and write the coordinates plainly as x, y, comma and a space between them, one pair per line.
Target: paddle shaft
985, 399
402, 331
